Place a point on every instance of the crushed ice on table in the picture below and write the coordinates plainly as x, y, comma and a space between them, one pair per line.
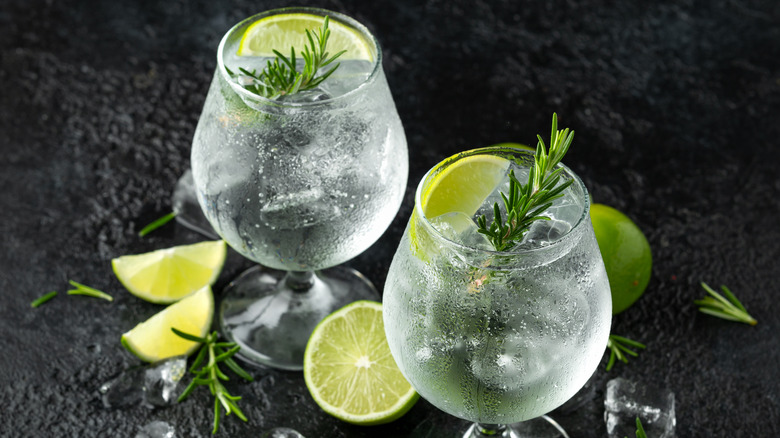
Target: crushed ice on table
161, 382
626, 400
156, 384
460, 228
282, 432
156, 429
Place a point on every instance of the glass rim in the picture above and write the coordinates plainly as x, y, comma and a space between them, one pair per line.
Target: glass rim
338, 16
501, 150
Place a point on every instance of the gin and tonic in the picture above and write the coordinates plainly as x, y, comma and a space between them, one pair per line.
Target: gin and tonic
297, 181
495, 337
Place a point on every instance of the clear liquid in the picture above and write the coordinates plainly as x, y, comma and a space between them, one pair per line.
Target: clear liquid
502, 345
300, 188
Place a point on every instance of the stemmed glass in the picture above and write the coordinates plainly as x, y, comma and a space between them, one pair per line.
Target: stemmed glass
497, 338
299, 184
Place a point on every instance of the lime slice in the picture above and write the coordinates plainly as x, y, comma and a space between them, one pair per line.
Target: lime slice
168, 275
281, 32
349, 370
626, 254
153, 339
460, 187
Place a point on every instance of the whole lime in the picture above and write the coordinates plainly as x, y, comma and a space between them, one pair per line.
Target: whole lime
626, 254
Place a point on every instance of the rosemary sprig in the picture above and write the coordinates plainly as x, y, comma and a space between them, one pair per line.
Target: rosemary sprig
619, 347
640, 431
157, 223
281, 76
81, 289
38, 301
728, 307
525, 203
210, 375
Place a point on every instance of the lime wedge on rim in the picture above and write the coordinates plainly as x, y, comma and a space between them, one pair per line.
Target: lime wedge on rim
459, 187
168, 275
283, 31
349, 370
153, 339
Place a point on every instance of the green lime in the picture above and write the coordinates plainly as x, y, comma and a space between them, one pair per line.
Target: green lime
168, 275
153, 339
280, 32
626, 255
349, 370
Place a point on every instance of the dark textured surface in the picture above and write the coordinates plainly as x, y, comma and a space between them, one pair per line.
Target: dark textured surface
676, 105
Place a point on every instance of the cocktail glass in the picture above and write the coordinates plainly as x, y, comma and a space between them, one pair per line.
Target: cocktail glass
497, 338
298, 184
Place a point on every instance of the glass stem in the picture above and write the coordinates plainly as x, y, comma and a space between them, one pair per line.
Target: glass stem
488, 430
299, 281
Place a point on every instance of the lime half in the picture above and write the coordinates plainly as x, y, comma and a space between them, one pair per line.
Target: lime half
153, 339
626, 254
168, 275
283, 31
349, 370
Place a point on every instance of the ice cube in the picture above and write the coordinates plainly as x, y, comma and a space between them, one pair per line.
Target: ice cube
156, 384
187, 209
161, 383
282, 432
156, 429
287, 211
626, 400
544, 232
124, 390
460, 228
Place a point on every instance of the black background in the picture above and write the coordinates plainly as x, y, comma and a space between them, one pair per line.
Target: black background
676, 108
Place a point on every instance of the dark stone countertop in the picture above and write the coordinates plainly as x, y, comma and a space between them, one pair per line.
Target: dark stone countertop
676, 105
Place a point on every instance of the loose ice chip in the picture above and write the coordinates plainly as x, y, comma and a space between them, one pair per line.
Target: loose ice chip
126, 389
282, 432
156, 429
162, 379
156, 385
626, 400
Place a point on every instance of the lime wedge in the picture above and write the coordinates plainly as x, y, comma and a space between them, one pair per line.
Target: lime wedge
349, 370
168, 275
153, 339
459, 187
464, 185
281, 32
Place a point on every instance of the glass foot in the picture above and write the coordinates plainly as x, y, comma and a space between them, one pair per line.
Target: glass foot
272, 313
444, 426
185, 205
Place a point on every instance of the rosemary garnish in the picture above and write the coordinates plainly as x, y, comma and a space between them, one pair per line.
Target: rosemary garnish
81, 289
526, 202
281, 77
618, 348
728, 307
640, 431
210, 375
157, 223
38, 301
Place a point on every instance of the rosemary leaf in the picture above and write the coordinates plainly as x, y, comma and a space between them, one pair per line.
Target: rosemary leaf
38, 301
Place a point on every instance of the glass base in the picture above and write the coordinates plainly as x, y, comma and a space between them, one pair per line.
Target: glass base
445, 426
272, 313
187, 209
